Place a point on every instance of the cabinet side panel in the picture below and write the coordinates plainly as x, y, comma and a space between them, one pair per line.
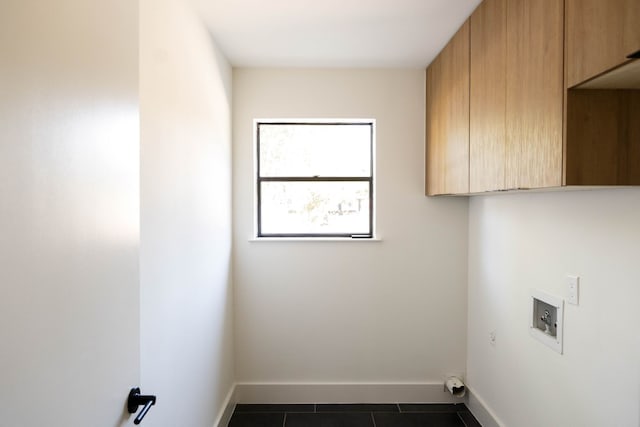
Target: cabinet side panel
633, 137
435, 138
487, 97
456, 78
448, 118
534, 93
427, 127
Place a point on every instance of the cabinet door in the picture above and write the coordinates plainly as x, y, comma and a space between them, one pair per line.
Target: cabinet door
448, 118
600, 34
488, 26
534, 93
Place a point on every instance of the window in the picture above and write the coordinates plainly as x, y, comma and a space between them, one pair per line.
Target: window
314, 179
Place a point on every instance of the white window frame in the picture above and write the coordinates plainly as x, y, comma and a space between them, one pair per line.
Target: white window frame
315, 236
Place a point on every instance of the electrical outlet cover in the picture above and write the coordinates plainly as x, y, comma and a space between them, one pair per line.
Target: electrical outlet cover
573, 289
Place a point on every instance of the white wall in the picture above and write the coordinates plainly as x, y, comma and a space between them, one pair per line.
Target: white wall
523, 241
69, 305
350, 312
186, 296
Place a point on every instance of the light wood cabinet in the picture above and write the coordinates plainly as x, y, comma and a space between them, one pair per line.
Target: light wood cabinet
447, 153
600, 34
534, 93
516, 103
522, 125
487, 111
602, 140
603, 137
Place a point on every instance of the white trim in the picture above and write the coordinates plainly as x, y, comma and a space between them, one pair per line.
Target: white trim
313, 239
479, 408
228, 407
274, 393
314, 120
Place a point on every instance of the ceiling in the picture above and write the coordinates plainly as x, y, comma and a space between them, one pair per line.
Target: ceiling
333, 33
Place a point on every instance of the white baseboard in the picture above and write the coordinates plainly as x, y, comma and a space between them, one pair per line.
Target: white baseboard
227, 408
479, 408
343, 393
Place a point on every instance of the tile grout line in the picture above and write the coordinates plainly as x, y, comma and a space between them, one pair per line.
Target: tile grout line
463, 421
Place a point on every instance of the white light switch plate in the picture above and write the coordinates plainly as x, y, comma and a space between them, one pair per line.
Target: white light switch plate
573, 289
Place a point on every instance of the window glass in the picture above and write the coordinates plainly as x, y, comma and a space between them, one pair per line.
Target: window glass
315, 150
315, 207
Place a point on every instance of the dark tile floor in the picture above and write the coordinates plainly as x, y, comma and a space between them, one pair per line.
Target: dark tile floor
361, 415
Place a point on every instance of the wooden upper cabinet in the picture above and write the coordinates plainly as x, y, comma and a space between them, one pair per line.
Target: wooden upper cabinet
487, 111
502, 112
602, 142
516, 101
600, 34
447, 166
534, 93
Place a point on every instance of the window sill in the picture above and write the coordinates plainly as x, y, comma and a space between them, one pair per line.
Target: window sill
313, 239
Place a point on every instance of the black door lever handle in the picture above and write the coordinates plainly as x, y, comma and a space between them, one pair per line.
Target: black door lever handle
135, 400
